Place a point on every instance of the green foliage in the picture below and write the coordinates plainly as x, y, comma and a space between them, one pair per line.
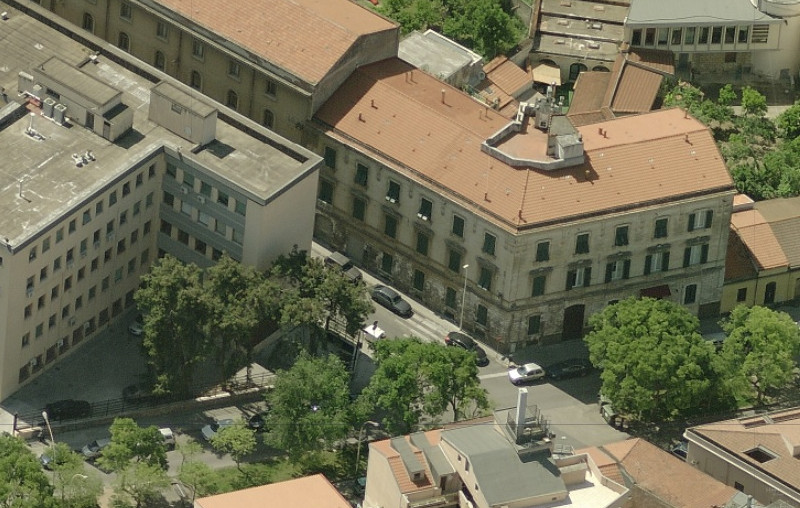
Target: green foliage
485, 26
714, 114
131, 443
140, 484
75, 486
414, 379
236, 440
655, 363
309, 406
23, 483
759, 349
726, 95
199, 477
753, 102
788, 122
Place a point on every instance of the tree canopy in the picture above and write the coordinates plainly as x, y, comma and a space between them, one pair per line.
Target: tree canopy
23, 483
759, 349
74, 485
655, 365
236, 440
132, 443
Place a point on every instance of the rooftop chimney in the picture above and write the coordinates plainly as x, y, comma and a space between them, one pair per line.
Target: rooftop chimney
443, 92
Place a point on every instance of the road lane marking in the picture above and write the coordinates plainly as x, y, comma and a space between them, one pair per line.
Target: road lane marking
492, 376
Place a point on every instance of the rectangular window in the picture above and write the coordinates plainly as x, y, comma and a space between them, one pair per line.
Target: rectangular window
45, 245
87, 216
205, 189
43, 274
84, 246
72, 226
663, 36
454, 261
42, 302
543, 251
59, 235
582, 243
621, 236
700, 220
222, 198
716, 35
240, 207
660, 230
760, 34
359, 208
126, 188
649, 36
32, 254
118, 275
690, 294
325, 193
54, 293
743, 33
112, 198
688, 37
330, 157
656, 262
386, 263
172, 170
271, 88
123, 218
216, 254
419, 280
200, 246
538, 285
422, 243
703, 36
109, 227
107, 256
534, 325
730, 34
94, 265
188, 180
67, 283
145, 257
636, 37
482, 315
120, 246
489, 243
362, 174
580, 277
485, 278
92, 292
695, 255
198, 50
237, 237
137, 208
134, 236
390, 226
78, 302
233, 69
450, 298
39, 330
148, 201
220, 227
146, 229
166, 227
618, 270
125, 10
458, 226
183, 237
425, 209
741, 294
162, 30
70, 256
676, 37
81, 273
57, 264
393, 192
203, 218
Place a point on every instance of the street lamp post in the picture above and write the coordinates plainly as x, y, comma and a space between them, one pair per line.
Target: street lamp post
52, 442
463, 299
360, 433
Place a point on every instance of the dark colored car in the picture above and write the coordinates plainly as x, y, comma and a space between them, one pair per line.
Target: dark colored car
139, 392
258, 422
67, 409
574, 367
389, 298
464, 341
342, 262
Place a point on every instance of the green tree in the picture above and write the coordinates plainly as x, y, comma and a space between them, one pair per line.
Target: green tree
753, 102
197, 476
140, 483
74, 485
655, 363
236, 440
309, 406
23, 483
451, 379
726, 95
175, 309
788, 122
759, 349
482, 25
132, 443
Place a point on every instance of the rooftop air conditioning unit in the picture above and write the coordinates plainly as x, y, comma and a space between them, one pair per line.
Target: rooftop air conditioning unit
60, 343
184, 189
47, 106
59, 113
201, 199
34, 362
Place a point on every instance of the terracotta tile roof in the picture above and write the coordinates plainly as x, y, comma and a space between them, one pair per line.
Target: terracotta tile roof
507, 76
305, 37
783, 216
756, 234
654, 59
401, 117
779, 433
314, 491
589, 91
636, 91
404, 482
738, 263
668, 478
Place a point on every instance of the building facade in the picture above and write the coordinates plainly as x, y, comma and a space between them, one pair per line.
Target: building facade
103, 172
436, 194
270, 65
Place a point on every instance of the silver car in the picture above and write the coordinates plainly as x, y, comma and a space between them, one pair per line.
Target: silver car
525, 373
210, 430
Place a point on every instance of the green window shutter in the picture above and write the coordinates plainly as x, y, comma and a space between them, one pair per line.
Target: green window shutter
626, 269
709, 217
691, 222
704, 253
587, 277
665, 261
647, 260
687, 256
571, 276
609, 271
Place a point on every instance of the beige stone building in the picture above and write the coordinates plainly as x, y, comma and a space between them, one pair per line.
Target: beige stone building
102, 172
438, 194
275, 61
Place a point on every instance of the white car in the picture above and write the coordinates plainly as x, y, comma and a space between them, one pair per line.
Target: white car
525, 373
374, 332
210, 430
169, 437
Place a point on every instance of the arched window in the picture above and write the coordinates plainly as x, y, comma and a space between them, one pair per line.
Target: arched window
88, 22
547, 61
232, 100
160, 61
269, 118
600, 68
576, 69
196, 80
124, 42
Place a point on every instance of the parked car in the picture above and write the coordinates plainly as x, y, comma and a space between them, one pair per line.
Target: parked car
390, 299
47, 461
93, 450
210, 430
136, 393
573, 367
169, 437
137, 327
374, 332
67, 409
680, 449
258, 422
464, 341
525, 373
342, 262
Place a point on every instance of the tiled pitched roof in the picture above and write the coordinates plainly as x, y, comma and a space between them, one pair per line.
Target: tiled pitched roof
778, 433
314, 491
756, 234
433, 133
506, 75
404, 482
305, 37
669, 478
783, 216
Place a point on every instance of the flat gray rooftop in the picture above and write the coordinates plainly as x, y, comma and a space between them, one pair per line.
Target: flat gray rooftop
583, 10
592, 30
576, 47
435, 54
43, 169
689, 12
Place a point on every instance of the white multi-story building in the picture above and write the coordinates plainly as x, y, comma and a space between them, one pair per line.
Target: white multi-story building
103, 171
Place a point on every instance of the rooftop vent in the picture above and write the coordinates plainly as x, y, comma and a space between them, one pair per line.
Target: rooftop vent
600, 8
594, 45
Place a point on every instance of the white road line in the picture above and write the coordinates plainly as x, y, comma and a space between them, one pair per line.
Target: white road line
492, 376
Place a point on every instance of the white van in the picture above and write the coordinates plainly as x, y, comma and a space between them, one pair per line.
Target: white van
169, 437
